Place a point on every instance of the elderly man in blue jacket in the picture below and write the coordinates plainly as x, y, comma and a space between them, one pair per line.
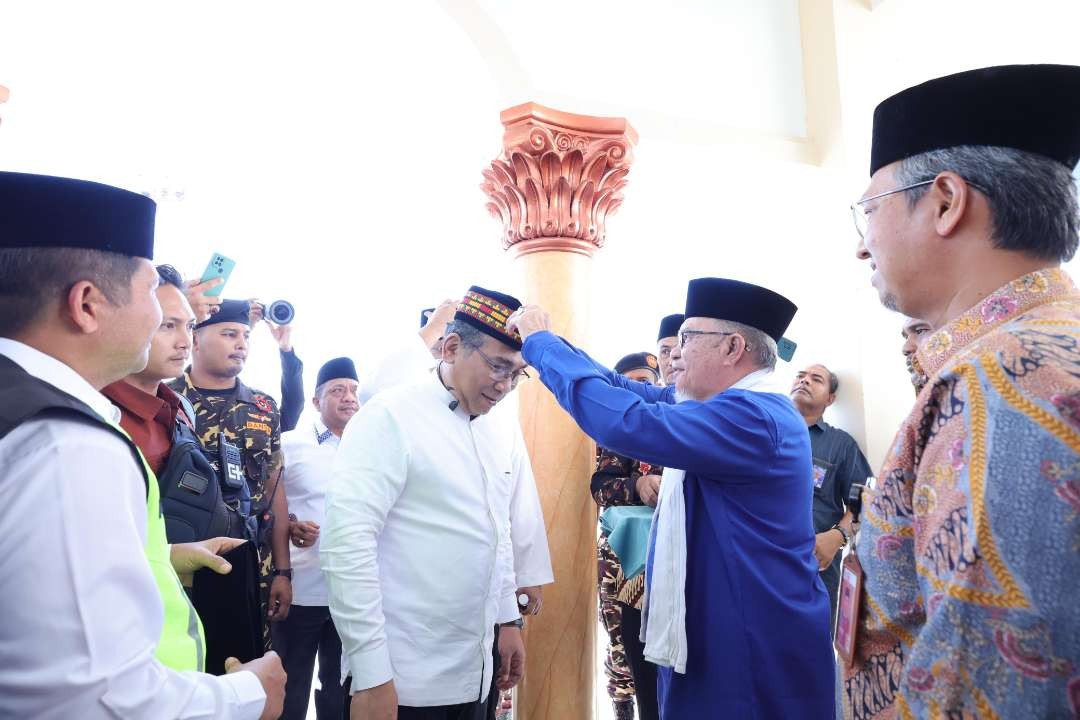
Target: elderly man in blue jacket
736, 615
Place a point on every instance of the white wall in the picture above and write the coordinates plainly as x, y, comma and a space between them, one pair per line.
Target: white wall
902, 43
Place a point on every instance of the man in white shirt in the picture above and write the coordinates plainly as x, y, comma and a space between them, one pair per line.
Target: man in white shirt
415, 361
309, 630
416, 548
92, 604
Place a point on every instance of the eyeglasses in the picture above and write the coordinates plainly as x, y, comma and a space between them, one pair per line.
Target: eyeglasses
685, 335
862, 218
501, 373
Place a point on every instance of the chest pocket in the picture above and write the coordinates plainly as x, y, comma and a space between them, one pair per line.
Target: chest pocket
822, 470
252, 432
497, 464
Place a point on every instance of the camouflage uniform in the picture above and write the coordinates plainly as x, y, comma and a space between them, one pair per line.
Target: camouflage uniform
251, 421
615, 483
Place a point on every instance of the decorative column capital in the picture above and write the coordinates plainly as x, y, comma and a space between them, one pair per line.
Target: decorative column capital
558, 177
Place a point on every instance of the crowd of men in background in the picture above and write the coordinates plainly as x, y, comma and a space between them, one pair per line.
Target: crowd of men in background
190, 549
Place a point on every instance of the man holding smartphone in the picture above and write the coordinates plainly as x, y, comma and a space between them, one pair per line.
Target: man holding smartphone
242, 427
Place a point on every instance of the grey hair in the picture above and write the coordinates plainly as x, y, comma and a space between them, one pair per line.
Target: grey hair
470, 336
834, 381
762, 347
31, 279
1033, 199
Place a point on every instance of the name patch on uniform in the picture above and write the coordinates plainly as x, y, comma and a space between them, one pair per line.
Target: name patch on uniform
258, 426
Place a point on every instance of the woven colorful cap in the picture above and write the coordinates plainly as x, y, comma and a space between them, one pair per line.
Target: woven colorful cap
488, 311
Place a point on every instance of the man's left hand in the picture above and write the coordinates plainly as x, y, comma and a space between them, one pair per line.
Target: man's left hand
304, 533
536, 599
511, 657
826, 545
280, 598
529, 319
186, 558
282, 333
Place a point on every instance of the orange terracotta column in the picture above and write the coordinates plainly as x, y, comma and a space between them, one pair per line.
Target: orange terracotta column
557, 179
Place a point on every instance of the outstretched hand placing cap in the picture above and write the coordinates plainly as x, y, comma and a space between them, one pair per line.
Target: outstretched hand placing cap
529, 319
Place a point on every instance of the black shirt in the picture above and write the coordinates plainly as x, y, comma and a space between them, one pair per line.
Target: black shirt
838, 462
292, 390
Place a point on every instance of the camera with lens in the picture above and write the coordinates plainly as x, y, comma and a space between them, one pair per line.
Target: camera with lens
279, 312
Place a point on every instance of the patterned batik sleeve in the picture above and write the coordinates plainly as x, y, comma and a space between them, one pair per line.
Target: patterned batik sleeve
614, 482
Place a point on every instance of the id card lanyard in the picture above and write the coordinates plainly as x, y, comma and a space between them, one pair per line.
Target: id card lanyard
849, 604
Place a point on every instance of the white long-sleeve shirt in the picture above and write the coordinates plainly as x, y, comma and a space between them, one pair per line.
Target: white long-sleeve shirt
416, 547
412, 363
309, 460
81, 611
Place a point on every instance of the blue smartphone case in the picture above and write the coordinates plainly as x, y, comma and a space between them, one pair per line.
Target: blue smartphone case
219, 266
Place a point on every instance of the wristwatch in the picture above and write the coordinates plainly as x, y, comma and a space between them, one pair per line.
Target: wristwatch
519, 623
845, 533
286, 573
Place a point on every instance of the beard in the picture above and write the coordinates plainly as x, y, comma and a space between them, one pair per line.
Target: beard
890, 302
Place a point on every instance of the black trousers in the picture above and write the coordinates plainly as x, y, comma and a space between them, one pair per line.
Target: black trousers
493, 692
474, 710
644, 672
308, 631
831, 577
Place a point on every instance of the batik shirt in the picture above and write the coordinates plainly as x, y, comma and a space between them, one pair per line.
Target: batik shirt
971, 536
616, 476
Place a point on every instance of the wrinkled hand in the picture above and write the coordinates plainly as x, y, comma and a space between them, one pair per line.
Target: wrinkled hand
377, 703
280, 599
186, 558
529, 319
511, 657
203, 305
304, 533
535, 594
272, 678
826, 545
648, 489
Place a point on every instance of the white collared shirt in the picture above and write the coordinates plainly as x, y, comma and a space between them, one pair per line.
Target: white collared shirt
416, 545
411, 363
81, 611
309, 458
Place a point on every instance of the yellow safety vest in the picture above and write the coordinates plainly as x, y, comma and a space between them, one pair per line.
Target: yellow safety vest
182, 645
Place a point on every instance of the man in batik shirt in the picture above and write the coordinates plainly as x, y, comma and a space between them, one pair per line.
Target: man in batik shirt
970, 545
619, 480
